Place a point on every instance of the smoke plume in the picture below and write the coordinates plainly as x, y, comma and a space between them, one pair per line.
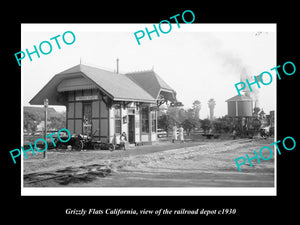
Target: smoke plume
237, 67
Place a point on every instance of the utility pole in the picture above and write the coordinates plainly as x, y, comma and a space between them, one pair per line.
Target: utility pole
46, 118
117, 65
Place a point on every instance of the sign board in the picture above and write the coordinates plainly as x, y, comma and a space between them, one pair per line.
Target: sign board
86, 98
124, 119
176, 104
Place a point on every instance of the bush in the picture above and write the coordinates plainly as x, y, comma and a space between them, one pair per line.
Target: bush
205, 125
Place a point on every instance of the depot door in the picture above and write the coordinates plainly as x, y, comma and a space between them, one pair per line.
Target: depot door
87, 118
131, 129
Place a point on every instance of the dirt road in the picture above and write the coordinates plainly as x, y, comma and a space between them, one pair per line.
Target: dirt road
205, 164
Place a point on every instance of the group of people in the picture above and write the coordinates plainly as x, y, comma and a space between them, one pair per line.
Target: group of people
123, 138
122, 141
180, 134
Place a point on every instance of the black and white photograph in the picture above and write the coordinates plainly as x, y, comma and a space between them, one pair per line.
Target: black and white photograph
128, 109
149, 112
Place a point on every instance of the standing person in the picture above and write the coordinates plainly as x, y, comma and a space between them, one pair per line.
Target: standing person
123, 140
114, 142
174, 133
234, 134
181, 138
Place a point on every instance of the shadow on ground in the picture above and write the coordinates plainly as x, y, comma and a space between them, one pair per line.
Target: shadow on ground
69, 175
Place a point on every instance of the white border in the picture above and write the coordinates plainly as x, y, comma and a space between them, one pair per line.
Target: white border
127, 191
107, 27
112, 191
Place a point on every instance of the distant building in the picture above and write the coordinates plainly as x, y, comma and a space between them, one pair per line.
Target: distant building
103, 103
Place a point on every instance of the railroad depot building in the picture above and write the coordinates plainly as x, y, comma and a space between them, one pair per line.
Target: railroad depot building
101, 103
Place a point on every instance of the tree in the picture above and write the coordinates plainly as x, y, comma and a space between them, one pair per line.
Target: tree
187, 118
56, 123
223, 124
173, 112
211, 105
30, 121
35, 115
196, 108
190, 113
165, 122
182, 115
205, 125
217, 126
189, 124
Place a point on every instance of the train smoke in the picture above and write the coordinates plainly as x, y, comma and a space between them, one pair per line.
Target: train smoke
237, 67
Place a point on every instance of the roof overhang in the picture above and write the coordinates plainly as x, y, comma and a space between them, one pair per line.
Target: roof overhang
50, 92
169, 95
74, 84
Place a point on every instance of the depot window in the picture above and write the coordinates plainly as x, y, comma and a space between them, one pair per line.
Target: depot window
145, 120
118, 119
153, 119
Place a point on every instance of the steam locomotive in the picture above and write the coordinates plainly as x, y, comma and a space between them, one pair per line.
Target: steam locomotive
259, 124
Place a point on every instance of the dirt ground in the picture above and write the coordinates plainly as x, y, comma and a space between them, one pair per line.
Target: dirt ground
206, 163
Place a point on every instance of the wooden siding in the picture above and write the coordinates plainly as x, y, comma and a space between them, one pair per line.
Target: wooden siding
99, 114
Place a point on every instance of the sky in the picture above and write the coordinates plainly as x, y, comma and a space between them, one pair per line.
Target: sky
199, 61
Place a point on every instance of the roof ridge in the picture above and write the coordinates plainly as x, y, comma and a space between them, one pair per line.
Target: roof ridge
91, 76
101, 68
155, 77
161, 82
141, 71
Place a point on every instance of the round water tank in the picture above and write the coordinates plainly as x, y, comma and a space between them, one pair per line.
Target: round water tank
241, 106
245, 108
232, 109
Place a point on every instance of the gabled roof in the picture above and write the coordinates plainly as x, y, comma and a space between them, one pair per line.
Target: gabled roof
238, 98
152, 83
118, 87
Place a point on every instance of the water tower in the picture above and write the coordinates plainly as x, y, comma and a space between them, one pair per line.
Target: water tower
240, 106
240, 109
